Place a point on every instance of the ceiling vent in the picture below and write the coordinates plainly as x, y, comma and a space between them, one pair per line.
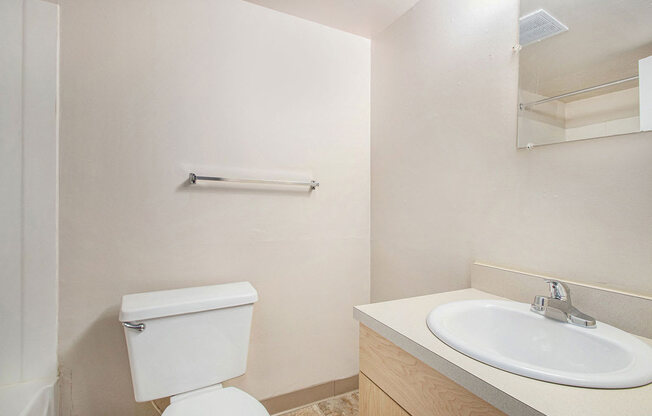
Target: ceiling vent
537, 26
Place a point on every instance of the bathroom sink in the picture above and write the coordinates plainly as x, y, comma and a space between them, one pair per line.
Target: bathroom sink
507, 335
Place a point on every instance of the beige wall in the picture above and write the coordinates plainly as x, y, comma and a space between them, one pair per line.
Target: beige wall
449, 186
153, 89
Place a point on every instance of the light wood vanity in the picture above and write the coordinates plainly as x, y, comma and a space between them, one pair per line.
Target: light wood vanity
394, 383
407, 371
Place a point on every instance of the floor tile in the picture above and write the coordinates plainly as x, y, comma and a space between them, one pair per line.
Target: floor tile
344, 405
306, 411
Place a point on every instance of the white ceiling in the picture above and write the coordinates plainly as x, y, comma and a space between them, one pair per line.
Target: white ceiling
362, 17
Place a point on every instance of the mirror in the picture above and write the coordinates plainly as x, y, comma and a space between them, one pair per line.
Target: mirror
579, 69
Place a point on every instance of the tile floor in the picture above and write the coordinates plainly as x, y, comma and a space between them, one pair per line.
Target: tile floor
344, 405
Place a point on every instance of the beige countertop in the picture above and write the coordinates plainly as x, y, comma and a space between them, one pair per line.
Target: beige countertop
404, 323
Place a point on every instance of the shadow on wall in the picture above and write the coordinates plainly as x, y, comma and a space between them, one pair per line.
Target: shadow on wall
103, 342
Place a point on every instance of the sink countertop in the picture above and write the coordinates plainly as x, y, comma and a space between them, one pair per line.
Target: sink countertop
404, 323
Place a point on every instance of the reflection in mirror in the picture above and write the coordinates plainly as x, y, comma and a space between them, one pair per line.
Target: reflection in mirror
579, 69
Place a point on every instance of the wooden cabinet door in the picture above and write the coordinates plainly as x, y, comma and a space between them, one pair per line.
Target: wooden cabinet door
374, 401
412, 384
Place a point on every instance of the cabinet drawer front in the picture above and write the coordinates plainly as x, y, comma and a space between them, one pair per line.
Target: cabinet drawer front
415, 386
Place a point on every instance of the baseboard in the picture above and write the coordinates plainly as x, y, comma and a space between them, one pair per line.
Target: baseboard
309, 395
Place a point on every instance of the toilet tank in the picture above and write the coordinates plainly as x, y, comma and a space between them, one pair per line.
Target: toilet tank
185, 339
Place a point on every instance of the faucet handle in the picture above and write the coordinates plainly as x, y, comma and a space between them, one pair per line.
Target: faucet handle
559, 290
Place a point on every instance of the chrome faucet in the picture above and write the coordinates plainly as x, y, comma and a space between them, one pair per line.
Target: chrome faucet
559, 307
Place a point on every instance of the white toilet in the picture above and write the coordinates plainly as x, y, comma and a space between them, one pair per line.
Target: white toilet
183, 343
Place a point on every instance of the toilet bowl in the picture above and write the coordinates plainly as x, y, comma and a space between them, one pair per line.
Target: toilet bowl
215, 401
184, 343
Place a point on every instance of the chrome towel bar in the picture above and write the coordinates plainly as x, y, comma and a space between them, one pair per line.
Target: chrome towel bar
194, 178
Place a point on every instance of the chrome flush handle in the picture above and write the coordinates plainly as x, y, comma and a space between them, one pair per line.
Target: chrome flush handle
140, 327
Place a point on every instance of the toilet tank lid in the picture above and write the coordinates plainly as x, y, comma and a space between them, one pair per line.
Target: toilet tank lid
150, 305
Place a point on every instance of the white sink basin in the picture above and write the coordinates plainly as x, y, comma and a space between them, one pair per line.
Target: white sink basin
507, 335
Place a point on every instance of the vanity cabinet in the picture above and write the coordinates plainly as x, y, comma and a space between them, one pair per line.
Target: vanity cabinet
394, 383
374, 401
